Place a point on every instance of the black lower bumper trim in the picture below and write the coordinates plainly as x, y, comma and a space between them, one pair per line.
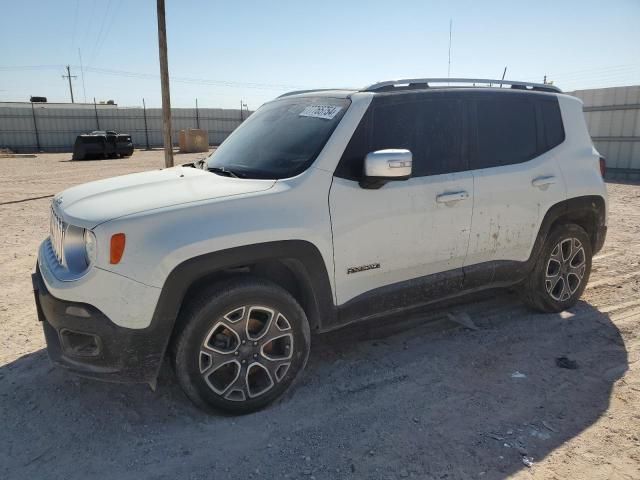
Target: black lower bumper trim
117, 354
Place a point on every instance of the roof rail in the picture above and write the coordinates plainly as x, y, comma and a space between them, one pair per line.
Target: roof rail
298, 92
426, 83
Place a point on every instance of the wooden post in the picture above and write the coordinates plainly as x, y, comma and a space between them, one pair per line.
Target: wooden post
35, 126
164, 81
95, 108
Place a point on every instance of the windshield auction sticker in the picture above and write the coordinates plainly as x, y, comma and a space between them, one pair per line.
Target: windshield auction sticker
321, 111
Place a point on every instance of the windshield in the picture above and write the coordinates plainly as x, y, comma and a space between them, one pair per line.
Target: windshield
280, 140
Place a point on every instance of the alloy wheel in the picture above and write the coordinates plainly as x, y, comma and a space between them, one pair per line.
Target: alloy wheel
565, 269
247, 352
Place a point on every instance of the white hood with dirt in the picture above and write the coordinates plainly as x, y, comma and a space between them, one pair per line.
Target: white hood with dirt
93, 203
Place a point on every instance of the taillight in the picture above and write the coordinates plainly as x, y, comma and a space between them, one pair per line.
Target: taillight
603, 166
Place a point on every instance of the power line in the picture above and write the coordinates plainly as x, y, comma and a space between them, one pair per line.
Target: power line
95, 44
151, 76
84, 90
75, 23
191, 80
110, 22
598, 69
89, 23
30, 67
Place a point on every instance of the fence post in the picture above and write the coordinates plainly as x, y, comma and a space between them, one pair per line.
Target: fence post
146, 130
197, 116
35, 126
95, 108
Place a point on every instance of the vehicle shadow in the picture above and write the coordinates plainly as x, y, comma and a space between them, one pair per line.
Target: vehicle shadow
450, 392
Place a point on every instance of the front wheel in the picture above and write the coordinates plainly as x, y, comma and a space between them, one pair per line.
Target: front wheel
561, 272
245, 342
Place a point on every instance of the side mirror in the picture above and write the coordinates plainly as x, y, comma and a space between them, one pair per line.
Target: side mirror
383, 166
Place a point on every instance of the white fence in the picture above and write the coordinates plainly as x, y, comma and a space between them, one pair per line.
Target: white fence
26, 127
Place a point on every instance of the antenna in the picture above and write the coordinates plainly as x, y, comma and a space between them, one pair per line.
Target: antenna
503, 74
449, 65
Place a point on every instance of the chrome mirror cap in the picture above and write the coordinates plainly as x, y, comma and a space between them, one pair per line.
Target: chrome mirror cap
383, 166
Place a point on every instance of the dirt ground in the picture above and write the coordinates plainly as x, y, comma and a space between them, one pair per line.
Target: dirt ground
412, 397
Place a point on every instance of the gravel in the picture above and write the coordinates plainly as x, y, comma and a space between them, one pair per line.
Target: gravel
417, 395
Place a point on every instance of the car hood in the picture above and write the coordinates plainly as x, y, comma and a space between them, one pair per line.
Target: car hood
96, 202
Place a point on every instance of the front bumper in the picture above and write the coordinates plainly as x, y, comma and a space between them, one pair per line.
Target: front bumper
84, 340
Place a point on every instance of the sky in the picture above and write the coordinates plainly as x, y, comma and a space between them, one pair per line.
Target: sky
225, 52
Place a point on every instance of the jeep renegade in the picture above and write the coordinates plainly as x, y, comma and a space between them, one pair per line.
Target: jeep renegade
323, 208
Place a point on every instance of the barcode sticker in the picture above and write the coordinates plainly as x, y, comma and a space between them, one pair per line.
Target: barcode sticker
321, 111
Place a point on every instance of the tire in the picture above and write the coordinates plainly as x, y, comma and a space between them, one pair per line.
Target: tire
561, 271
244, 343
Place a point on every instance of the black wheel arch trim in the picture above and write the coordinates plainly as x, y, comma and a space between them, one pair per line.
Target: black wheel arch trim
302, 257
587, 211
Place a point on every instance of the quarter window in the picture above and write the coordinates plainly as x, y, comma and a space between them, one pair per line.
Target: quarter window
552, 119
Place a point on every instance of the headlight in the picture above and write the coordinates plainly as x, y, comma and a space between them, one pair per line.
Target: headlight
90, 246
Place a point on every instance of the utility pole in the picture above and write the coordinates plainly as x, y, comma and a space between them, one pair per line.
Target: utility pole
68, 76
164, 81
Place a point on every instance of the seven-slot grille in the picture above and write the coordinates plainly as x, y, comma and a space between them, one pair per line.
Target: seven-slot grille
57, 236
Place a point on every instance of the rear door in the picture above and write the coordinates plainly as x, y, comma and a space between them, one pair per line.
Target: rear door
397, 237
516, 178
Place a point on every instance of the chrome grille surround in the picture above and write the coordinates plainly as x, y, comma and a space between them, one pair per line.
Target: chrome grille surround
57, 232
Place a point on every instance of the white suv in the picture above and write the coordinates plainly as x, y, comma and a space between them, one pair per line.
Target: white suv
322, 209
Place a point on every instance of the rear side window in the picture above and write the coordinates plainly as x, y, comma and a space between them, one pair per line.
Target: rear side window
506, 131
552, 121
431, 128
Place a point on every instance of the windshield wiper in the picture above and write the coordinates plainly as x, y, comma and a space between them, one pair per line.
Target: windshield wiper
223, 171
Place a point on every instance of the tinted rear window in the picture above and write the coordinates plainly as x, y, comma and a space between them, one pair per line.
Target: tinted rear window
506, 131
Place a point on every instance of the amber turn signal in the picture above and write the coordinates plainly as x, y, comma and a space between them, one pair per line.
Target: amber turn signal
117, 248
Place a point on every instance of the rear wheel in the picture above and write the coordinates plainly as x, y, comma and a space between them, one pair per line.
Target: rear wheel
245, 342
561, 271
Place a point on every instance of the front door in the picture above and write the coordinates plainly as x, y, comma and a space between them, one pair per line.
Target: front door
391, 244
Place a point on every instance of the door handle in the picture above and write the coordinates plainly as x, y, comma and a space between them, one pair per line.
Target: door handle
452, 197
543, 182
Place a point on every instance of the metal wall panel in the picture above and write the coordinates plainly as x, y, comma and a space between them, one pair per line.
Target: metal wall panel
613, 120
58, 125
